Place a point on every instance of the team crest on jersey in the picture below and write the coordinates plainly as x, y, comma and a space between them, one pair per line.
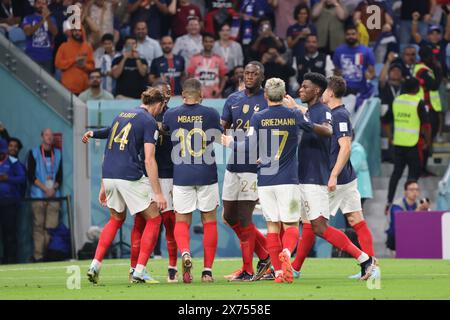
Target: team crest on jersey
256, 108
245, 108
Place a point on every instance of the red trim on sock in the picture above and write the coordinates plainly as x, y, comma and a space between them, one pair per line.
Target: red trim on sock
260, 244
136, 235
169, 224
365, 238
210, 238
290, 238
338, 239
247, 246
182, 236
107, 237
274, 247
304, 246
149, 239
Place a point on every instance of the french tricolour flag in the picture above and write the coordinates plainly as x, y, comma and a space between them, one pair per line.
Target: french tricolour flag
359, 59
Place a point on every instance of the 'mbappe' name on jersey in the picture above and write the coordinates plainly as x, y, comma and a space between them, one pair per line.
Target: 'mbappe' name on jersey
278, 122
188, 119
128, 115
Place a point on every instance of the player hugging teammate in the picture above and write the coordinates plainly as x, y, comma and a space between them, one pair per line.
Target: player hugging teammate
294, 160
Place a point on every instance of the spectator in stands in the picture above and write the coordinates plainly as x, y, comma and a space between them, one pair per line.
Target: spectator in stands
147, 47
3, 132
40, 29
104, 57
355, 63
183, 11
410, 122
365, 16
424, 8
389, 87
12, 177
266, 39
358, 158
329, 18
209, 69
429, 73
11, 15
58, 8
251, 12
230, 50
313, 60
14, 147
276, 66
407, 61
409, 202
95, 91
218, 13
283, 19
296, 34
152, 12
75, 59
434, 39
130, 71
169, 67
191, 43
102, 12
45, 174
235, 81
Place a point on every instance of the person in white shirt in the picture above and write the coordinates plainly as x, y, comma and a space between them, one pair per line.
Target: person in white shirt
147, 47
191, 43
103, 58
229, 50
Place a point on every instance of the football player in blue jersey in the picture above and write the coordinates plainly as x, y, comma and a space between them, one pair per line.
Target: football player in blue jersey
131, 138
239, 193
314, 174
194, 128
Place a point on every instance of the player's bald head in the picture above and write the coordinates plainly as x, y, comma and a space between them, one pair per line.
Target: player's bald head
253, 75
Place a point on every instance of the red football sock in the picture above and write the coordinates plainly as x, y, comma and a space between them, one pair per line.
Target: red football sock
304, 246
209, 243
290, 238
237, 229
248, 245
364, 237
181, 234
107, 237
169, 224
274, 248
136, 235
338, 239
149, 239
260, 244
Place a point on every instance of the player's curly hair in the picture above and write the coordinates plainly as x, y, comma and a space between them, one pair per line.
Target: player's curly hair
317, 79
152, 96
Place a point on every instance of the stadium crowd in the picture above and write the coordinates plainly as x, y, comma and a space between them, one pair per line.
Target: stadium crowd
122, 46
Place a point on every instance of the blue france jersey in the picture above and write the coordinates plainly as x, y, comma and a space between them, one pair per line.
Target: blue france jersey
163, 151
193, 130
277, 129
124, 152
314, 150
342, 127
238, 110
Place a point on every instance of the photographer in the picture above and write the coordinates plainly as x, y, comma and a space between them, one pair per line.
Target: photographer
276, 66
409, 202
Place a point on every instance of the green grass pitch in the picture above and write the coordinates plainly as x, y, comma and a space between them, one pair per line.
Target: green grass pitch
321, 279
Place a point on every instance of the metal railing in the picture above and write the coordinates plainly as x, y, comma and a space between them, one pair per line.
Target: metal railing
41, 83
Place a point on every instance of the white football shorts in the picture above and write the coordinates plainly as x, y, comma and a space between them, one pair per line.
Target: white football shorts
186, 199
